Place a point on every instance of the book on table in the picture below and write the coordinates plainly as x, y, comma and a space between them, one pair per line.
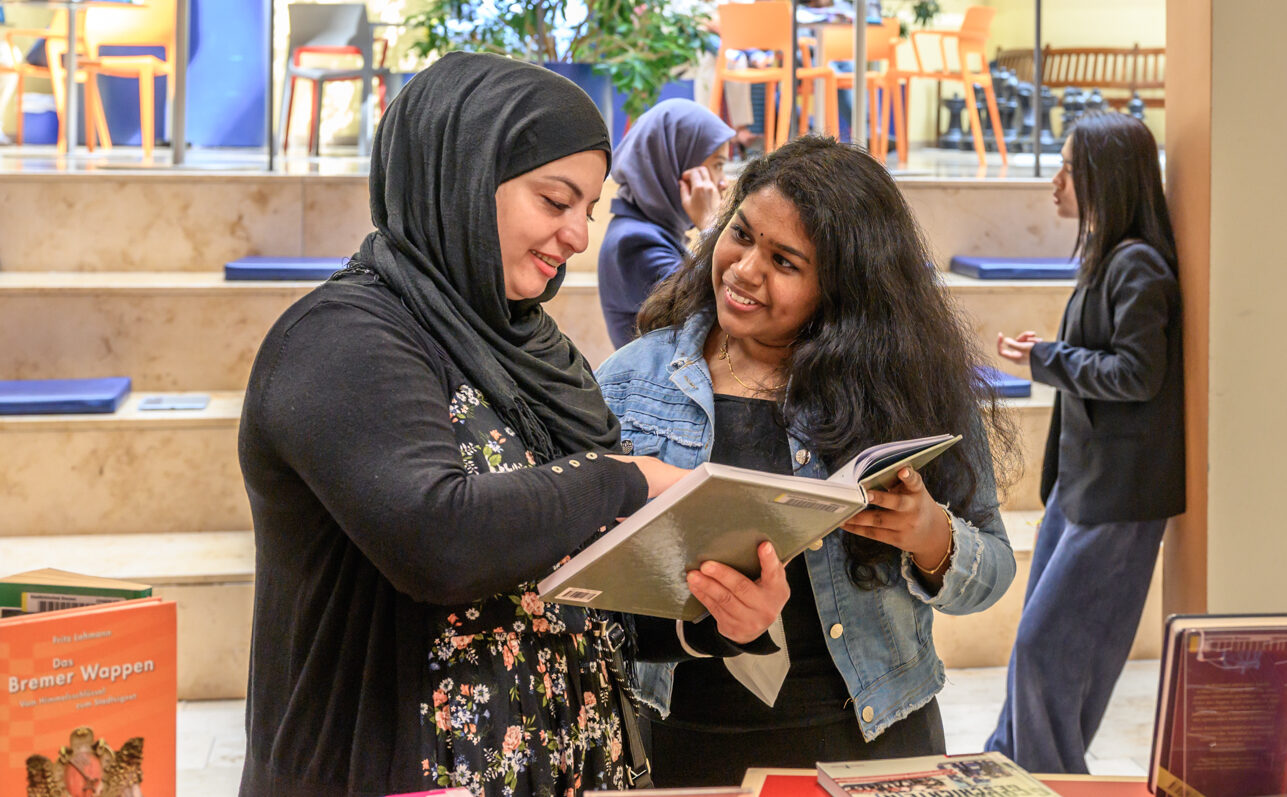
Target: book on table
976, 775
90, 695
722, 513
50, 589
696, 791
766, 782
1220, 728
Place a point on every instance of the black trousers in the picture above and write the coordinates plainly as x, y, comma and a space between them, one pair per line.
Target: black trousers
682, 757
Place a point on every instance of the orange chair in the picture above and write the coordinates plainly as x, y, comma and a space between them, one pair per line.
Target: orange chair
971, 42
149, 25
56, 33
838, 45
805, 75
764, 26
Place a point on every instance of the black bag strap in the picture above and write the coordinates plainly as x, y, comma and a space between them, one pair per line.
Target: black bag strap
609, 636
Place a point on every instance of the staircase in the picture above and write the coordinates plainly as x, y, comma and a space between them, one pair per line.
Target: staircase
120, 274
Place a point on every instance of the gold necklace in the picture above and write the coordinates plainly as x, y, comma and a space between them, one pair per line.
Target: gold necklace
724, 355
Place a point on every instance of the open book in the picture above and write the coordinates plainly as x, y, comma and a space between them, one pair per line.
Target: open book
723, 513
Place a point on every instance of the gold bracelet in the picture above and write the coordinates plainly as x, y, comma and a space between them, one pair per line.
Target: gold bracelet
946, 556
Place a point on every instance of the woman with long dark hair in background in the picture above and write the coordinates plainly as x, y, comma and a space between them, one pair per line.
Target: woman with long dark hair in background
1114, 464
805, 328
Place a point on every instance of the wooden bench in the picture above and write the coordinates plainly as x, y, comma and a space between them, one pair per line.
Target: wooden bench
1118, 72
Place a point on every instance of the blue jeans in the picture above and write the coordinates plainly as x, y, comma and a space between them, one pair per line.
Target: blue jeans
1083, 604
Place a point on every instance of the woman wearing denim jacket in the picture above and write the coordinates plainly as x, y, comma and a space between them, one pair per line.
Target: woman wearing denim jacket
805, 328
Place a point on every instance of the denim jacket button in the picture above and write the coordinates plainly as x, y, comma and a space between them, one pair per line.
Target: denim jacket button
803, 456
627, 446
837, 631
867, 714
816, 546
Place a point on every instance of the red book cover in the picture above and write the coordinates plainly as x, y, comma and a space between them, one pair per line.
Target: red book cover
1222, 724
89, 701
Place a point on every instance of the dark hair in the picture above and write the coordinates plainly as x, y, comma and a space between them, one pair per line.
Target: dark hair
1118, 183
886, 355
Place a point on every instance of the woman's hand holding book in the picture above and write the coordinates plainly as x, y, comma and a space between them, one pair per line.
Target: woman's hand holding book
907, 518
743, 609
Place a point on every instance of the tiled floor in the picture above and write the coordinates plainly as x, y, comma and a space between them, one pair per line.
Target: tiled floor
212, 739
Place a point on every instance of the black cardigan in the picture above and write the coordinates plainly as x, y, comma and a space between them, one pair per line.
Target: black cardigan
1116, 441
366, 526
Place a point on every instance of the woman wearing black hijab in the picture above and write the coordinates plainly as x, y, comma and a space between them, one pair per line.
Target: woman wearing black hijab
420, 443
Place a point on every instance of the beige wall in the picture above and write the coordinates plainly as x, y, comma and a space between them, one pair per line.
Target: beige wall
1224, 173
1247, 533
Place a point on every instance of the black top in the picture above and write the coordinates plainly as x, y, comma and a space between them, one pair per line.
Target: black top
1116, 441
749, 434
368, 530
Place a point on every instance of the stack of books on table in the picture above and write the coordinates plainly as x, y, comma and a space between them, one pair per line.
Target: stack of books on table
89, 702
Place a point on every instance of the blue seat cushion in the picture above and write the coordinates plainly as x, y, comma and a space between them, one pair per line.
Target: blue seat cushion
1014, 268
283, 268
59, 396
1003, 384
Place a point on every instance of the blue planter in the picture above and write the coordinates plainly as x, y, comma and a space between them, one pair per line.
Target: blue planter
679, 90
40, 127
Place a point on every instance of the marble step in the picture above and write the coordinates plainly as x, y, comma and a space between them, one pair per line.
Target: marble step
1009, 306
1031, 417
211, 577
182, 330
176, 470
189, 330
130, 472
197, 221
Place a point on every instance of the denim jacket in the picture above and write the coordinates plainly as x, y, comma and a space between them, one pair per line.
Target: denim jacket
880, 639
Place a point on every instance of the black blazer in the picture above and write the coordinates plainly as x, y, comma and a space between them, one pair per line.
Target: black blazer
1116, 441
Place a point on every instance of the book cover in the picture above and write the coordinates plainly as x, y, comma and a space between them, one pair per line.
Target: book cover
781, 782
978, 775
804, 783
722, 513
708, 791
89, 701
1221, 723
51, 589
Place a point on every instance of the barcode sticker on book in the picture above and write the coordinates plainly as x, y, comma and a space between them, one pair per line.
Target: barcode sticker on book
810, 503
49, 602
574, 595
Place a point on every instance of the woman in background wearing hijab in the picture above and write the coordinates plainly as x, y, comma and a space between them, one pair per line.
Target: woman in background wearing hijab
669, 170
420, 444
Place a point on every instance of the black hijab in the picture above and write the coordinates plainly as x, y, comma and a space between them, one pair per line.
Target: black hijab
454, 133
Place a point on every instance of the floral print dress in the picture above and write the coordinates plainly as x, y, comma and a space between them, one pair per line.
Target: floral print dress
520, 701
